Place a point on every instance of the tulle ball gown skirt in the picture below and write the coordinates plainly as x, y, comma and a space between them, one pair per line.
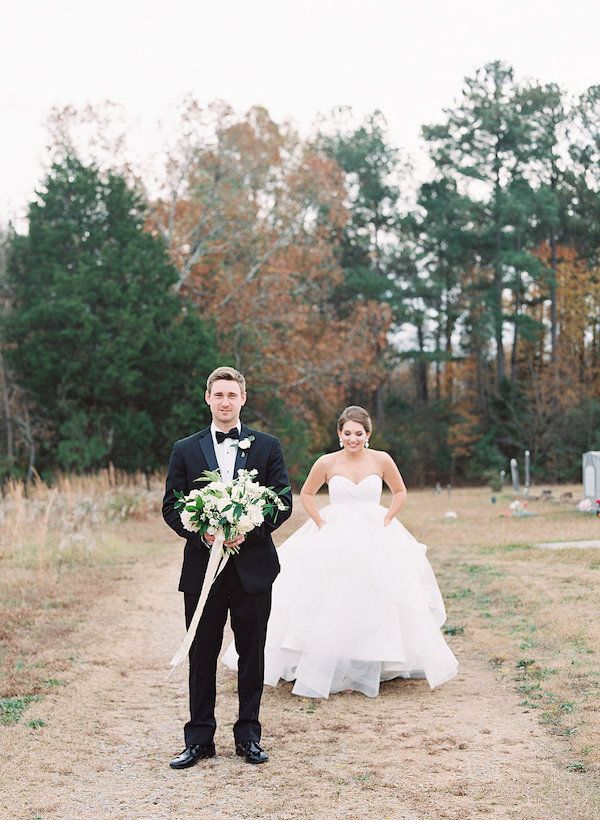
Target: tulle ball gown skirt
356, 603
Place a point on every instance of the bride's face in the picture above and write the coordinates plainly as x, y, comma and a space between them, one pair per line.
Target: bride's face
353, 436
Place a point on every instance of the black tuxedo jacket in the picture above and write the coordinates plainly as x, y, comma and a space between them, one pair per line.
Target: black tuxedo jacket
257, 564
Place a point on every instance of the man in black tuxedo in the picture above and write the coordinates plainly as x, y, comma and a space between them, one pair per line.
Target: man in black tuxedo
244, 587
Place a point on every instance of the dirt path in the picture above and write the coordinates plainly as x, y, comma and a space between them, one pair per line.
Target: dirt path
463, 751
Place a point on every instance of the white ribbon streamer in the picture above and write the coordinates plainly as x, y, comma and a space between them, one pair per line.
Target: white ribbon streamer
216, 563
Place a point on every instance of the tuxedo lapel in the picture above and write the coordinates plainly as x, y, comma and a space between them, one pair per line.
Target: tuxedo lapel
206, 443
241, 457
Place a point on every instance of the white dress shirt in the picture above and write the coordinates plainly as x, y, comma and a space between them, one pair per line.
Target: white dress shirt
225, 452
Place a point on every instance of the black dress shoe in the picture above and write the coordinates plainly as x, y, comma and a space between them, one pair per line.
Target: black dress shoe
191, 755
251, 751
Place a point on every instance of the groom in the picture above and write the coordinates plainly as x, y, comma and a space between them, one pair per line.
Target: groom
243, 588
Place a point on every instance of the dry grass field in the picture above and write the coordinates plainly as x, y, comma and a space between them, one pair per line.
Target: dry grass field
89, 616
534, 614
60, 549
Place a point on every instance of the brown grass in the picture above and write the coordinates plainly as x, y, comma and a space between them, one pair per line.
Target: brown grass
60, 548
44, 525
532, 613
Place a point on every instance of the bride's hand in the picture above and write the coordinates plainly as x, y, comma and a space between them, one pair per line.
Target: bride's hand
388, 520
320, 523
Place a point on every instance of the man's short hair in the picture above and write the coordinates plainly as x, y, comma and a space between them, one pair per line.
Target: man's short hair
228, 374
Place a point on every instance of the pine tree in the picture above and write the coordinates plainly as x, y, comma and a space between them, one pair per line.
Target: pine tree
95, 335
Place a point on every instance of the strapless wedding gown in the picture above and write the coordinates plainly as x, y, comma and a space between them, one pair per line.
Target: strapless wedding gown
355, 603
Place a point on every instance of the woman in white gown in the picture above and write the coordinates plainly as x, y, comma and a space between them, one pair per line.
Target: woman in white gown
356, 601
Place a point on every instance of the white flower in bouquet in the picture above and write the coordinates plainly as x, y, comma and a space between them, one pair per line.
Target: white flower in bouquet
216, 486
245, 524
222, 502
229, 515
186, 520
255, 514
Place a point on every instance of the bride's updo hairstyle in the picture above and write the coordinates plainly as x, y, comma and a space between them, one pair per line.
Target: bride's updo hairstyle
357, 414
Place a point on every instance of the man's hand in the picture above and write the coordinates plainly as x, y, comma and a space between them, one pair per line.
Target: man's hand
234, 542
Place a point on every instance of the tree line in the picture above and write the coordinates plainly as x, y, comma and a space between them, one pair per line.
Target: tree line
463, 312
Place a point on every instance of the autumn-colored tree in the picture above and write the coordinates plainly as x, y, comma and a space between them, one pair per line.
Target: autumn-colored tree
577, 309
554, 410
578, 298
254, 225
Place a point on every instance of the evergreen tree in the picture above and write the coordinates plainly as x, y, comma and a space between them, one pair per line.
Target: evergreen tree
95, 335
370, 165
489, 139
584, 174
369, 248
442, 228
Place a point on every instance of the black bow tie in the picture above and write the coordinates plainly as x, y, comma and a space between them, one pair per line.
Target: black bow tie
233, 433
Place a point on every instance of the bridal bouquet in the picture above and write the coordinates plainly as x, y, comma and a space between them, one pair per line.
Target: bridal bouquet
231, 508
224, 509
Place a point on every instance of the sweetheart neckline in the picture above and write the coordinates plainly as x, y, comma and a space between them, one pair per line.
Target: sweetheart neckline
355, 483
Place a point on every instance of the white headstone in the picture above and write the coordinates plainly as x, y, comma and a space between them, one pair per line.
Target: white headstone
514, 474
591, 474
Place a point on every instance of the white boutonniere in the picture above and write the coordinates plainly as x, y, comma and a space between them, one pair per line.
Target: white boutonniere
244, 443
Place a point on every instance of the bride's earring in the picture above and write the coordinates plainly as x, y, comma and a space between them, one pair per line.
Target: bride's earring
367, 444
341, 443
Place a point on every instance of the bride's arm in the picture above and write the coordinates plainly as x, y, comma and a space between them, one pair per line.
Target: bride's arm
315, 480
392, 477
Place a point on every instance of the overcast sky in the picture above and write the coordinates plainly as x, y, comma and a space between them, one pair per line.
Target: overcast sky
296, 58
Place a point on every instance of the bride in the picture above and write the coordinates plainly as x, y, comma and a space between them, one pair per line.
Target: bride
356, 602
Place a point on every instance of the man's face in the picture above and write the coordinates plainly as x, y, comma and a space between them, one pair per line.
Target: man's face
225, 401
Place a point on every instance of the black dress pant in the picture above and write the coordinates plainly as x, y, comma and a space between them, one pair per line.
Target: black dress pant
249, 616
